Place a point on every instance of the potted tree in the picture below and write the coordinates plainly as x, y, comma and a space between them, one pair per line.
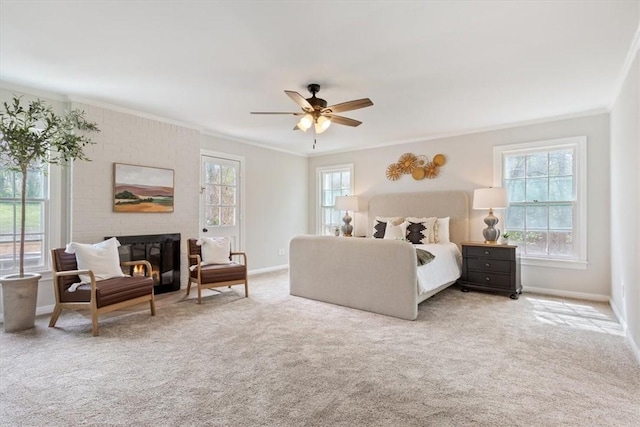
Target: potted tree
31, 137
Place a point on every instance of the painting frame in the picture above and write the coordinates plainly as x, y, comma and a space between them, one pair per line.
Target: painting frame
142, 189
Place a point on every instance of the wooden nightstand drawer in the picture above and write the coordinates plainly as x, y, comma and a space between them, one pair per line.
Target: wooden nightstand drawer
488, 252
491, 265
491, 268
491, 280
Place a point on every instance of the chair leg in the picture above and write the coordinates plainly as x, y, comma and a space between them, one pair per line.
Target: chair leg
246, 289
188, 287
152, 305
54, 316
199, 295
94, 321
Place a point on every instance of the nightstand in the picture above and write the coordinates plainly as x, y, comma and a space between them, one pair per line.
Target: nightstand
490, 268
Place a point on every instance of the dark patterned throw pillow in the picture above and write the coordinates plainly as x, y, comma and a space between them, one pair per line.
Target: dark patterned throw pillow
415, 233
380, 229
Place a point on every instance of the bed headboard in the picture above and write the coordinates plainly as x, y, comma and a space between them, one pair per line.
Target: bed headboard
454, 204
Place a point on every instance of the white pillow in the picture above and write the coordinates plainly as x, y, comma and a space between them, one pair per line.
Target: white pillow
429, 224
380, 223
396, 232
215, 250
101, 258
442, 231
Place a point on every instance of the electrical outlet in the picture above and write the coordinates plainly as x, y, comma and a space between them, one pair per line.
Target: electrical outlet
281, 251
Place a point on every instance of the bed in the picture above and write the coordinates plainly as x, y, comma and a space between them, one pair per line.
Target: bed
381, 275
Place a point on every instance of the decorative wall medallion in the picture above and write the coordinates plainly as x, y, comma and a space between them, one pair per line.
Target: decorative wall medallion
419, 167
408, 162
393, 172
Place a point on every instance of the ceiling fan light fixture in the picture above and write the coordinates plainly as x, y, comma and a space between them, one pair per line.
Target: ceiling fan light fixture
322, 124
305, 122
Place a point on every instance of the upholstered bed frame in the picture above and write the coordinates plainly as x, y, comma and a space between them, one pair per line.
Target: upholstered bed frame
373, 274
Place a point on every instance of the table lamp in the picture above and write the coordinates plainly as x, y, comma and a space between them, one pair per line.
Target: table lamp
347, 203
490, 198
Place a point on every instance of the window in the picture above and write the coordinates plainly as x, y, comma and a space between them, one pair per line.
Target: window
546, 184
332, 181
36, 219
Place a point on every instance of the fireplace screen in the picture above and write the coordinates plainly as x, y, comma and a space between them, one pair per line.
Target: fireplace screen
163, 253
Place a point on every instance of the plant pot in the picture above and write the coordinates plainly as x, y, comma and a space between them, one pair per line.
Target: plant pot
19, 299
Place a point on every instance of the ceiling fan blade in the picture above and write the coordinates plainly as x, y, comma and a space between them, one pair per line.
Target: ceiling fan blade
300, 100
349, 106
274, 112
339, 120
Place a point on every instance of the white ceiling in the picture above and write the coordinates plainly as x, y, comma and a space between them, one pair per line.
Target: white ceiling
431, 68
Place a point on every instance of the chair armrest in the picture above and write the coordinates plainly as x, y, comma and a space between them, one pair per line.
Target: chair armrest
198, 265
75, 273
242, 254
147, 264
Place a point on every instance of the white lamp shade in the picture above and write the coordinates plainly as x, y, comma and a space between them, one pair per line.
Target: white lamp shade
305, 122
322, 124
347, 203
490, 198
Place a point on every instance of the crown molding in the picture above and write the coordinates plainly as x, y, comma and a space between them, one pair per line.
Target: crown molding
40, 93
626, 68
133, 112
586, 113
213, 134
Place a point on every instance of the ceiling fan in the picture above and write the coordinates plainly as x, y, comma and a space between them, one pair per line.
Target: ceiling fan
316, 114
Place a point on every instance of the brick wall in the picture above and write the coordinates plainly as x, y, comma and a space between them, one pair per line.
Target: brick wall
125, 138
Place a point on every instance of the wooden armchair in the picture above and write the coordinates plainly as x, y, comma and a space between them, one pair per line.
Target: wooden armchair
99, 296
215, 275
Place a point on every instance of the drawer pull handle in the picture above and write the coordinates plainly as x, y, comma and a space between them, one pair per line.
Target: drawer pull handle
487, 265
488, 279
487, 252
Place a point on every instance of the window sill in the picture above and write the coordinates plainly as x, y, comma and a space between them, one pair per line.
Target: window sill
554, 263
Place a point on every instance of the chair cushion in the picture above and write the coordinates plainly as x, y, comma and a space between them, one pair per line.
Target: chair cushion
111, 291
221, 272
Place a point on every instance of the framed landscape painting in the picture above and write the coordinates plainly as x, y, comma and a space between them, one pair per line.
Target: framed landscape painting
142, 189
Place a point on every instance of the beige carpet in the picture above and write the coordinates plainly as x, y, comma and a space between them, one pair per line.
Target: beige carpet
275, 360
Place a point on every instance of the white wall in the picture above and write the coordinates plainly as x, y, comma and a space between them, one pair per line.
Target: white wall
469, 166
275, 199
625, 203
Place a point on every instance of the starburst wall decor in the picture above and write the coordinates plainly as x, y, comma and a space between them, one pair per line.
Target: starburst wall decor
419, 167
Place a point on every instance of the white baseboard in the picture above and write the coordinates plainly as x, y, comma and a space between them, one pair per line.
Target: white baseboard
269, 269
566, 294
625, 329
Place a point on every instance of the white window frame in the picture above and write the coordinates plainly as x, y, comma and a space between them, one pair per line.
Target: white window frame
329, 169
579, 143
56, 221
241, 185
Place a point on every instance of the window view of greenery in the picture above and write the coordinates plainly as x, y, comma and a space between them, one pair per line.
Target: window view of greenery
334, 183
221, 188
10, 216
542, 200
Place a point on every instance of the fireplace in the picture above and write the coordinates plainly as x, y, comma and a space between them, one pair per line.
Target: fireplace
161, 250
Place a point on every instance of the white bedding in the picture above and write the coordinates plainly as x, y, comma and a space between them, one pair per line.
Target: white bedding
444, 268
